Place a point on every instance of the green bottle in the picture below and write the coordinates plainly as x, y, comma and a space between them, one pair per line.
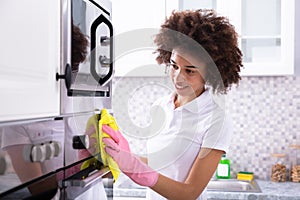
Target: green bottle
223, 169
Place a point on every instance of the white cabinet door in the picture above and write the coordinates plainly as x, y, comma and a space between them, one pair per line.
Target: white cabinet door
30, 58
266, 29
135, 22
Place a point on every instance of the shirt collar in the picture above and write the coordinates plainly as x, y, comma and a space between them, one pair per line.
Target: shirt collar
196, 105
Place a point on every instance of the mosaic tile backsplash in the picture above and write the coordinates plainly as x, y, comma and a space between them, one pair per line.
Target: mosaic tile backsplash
265, 113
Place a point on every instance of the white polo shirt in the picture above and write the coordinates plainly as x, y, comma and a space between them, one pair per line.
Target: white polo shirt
173, 147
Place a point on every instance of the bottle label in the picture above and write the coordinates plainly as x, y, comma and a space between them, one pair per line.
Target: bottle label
223, 170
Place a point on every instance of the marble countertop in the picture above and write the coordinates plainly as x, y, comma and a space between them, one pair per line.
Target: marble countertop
269, 191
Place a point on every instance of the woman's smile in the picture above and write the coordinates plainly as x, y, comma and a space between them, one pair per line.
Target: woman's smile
187, 79
180, 86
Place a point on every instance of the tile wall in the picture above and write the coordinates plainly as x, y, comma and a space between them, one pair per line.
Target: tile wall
265, 112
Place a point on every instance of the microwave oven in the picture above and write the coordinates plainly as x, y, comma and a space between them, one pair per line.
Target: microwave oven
87, 56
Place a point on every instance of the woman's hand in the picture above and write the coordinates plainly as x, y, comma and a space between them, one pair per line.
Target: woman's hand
117, 147
117, 137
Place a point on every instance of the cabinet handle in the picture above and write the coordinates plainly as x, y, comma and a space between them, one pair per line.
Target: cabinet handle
101, 80
67, 76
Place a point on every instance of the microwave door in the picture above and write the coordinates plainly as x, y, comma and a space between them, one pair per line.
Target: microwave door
92, 50
101, 55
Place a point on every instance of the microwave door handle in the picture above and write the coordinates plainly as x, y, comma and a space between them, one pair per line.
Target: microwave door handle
101, 80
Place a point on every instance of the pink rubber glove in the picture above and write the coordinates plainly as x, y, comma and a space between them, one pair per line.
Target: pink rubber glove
130, 164
117, 137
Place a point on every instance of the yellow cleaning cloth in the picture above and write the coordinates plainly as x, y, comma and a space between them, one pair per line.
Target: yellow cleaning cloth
108, 119
107, 160
92, 125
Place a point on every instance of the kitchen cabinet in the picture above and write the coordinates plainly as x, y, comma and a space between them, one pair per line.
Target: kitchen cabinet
135, 23
266, 31
30, 58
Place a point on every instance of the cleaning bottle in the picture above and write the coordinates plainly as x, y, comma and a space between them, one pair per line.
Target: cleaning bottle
223, 169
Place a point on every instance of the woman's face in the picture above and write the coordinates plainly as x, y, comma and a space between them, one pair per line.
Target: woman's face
187, 75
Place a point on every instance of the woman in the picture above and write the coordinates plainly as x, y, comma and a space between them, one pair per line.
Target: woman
201, 51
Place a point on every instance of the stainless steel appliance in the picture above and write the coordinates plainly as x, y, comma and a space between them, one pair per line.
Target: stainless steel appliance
87, 55
86, 68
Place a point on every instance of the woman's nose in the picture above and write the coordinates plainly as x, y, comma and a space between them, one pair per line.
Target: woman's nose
179, 76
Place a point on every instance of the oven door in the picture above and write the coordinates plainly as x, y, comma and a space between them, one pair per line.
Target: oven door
84, 170
89, 69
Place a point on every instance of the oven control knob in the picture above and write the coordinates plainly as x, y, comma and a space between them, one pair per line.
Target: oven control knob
49, 148
81, 142
4, 164
38, 153
57, 148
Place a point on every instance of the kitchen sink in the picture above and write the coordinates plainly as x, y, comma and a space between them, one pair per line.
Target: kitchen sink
233, 185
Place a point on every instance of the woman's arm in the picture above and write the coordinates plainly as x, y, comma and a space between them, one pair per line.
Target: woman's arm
25, 170
201, 172
144, 159
199, 176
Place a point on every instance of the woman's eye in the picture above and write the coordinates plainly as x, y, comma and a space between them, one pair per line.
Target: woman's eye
188, 71
174, 66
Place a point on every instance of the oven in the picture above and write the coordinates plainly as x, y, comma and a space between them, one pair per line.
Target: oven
84, 173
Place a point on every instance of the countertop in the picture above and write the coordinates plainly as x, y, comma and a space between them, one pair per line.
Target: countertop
270, 191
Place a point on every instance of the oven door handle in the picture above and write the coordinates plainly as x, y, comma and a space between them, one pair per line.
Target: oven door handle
88, 180
101, 80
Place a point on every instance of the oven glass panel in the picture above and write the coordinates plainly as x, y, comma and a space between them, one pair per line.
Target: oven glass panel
30, 153
81, 144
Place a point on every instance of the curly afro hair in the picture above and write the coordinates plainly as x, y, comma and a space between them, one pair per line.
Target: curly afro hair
79, 47
214, 34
